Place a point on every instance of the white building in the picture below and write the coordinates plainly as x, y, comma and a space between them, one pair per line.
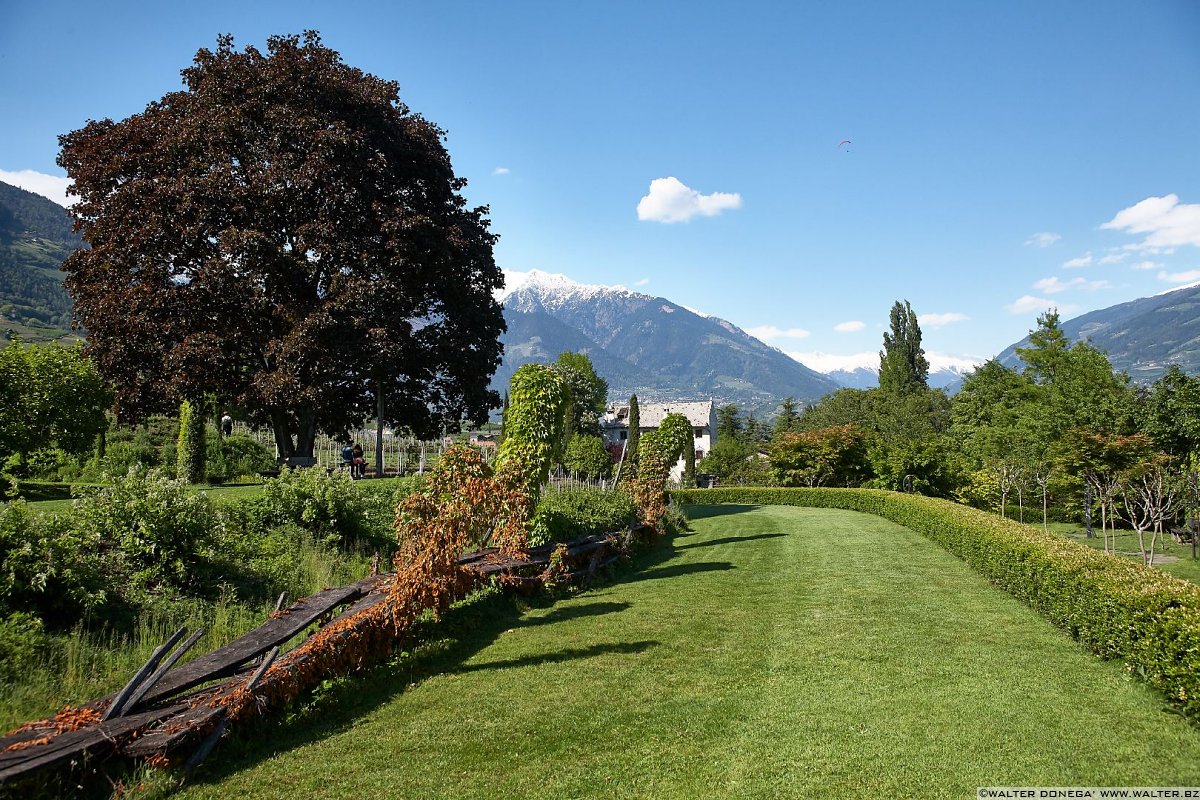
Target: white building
614, 425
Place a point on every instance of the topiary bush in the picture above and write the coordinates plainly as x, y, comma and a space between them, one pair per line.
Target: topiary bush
236, 456
1117, 607
190, 450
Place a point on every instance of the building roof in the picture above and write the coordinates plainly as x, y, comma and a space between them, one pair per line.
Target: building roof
650, 415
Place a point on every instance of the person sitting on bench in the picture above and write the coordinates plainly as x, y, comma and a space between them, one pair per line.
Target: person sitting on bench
358, 466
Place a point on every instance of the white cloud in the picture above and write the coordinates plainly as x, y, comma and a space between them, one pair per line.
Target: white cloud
1165, 221
1190, 276
1083, 261
669, 201
1054, 285
1114, 258
849, 326
641, 282
501, 171
1027, 303
52, 187
935, 321
768, 332
1044, 239
1145, 265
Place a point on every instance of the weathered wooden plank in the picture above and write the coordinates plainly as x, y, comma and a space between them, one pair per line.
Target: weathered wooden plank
166, 666
224, 661
94, 740
118, 704
193, 721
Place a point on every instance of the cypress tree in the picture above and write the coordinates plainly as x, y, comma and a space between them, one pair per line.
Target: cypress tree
631, 445
190, 450
902, 365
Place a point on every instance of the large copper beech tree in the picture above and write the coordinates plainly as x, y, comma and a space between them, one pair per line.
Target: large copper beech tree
284, 234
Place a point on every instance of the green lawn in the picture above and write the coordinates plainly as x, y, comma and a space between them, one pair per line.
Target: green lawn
774, 652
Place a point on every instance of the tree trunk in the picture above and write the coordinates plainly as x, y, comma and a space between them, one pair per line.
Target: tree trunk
284, 448
378, 428
306, 437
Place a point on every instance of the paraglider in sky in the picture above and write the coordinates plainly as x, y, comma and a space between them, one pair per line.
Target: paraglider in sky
842, 142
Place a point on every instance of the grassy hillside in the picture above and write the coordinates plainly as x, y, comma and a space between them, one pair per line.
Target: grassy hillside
35, 238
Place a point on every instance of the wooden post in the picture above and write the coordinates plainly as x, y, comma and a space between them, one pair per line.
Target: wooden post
118, 704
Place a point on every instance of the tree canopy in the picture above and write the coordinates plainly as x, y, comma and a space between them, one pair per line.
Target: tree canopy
49, 395
286, 234
589, 393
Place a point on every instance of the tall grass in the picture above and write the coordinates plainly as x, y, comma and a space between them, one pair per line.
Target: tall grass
91, 660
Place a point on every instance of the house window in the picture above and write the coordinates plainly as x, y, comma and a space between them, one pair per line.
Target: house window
624, 435
699, 454
699, 432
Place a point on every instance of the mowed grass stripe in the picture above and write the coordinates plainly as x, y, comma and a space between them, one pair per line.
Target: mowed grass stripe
774, 652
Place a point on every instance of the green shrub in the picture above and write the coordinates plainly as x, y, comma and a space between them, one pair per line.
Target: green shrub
585, 455
325, 505
22, 646
47, 566
1117, 607
231, 457
571, 513
157, 527
119, 458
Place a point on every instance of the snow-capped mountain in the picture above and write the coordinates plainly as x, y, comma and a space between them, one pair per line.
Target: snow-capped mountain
861, 370
645, 344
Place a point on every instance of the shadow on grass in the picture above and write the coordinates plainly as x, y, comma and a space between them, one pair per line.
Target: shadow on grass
442, 647
572, 612
703, 512
680, 570
730, 540
567, 654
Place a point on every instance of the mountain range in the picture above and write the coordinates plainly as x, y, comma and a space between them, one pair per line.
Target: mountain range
647, 345
640, 343
868, 377
35, 237
1142, 338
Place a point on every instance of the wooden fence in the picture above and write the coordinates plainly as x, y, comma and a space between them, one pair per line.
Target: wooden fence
167, 713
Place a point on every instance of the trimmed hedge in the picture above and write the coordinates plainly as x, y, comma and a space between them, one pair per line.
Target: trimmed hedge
1117, 607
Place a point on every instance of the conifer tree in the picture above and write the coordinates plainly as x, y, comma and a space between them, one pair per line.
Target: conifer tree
191, 450
903, 368
631, 445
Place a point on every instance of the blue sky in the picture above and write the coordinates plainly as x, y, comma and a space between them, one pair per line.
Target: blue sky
1004, 157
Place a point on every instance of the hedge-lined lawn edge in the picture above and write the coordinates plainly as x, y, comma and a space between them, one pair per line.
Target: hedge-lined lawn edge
1117, 608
